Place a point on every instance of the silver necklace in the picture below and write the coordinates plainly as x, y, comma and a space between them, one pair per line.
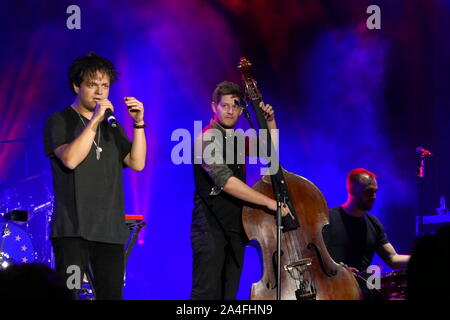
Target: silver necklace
98, 150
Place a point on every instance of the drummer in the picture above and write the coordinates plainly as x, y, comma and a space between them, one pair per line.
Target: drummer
354, 235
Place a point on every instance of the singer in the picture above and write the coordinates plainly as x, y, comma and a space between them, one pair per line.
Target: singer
87, 155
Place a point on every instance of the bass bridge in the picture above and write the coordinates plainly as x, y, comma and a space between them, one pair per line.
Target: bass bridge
299, 271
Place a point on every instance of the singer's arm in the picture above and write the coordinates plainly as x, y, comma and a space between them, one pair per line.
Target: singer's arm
136, 158
71, 155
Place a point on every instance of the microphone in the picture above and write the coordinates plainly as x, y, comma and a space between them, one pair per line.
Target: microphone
423, 152
110, 118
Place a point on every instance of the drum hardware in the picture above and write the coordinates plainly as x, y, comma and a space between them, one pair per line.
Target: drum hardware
16, 216
5, 261
394, 285
29, 204
42, 206
16, 246
5, 233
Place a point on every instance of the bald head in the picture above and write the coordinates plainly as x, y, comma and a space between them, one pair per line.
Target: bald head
362, 188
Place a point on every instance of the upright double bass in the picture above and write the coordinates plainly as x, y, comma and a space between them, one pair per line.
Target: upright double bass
298, 266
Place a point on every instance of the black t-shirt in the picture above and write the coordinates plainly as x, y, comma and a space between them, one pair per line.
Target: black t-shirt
89, 199
221, 211
353, 240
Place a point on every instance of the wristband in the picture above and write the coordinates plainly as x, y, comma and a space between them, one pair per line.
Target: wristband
142, 126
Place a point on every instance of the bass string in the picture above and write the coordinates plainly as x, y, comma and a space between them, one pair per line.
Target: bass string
292, 235
287, 241
292, 247
295, 235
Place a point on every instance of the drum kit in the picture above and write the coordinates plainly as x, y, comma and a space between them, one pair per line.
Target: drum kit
394, 285
25, 213
26, 210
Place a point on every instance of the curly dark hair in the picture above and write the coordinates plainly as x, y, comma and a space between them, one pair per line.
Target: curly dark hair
87, 66
224, 88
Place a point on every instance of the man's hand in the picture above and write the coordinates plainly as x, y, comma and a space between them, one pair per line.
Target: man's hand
135, 109
392, 258
272, 205
269, 114
100, 108
354, 270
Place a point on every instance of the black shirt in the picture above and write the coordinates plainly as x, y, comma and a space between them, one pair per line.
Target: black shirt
353, 240
89, 201
218, 210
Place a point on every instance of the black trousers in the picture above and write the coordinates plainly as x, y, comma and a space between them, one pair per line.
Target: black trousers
106, 260
217, 264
